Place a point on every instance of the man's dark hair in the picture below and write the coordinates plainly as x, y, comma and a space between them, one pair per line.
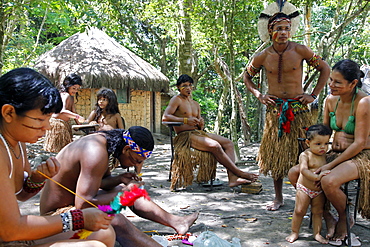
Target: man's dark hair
318, 129
184, 78
115, 142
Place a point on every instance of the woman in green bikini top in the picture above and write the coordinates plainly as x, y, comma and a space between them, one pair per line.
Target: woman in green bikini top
350, 125
351, 142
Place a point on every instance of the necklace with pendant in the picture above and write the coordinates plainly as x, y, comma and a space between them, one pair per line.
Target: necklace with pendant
280, 64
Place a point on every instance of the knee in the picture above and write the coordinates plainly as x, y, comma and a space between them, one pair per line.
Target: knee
300, 212
215, 147
293, 175
329, 184
107, 236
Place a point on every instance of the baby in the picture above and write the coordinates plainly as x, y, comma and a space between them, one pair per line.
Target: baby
317, 139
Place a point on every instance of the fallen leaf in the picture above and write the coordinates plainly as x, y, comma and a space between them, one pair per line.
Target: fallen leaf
224, 225
251, 219
185, 207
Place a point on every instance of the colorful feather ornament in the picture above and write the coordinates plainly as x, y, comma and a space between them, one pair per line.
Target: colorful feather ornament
120, 201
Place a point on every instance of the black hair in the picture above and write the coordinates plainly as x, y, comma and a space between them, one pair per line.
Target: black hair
112, 107
115, 142
184, 78
318, 129
69, 81
26, 89
350, 71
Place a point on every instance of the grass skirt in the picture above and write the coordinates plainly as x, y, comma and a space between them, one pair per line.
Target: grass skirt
59, 135
278, 154
186, 160
362, 161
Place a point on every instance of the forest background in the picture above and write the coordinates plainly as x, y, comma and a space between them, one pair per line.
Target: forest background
211, 40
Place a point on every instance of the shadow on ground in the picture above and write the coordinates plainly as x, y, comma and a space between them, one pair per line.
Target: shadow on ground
226, 211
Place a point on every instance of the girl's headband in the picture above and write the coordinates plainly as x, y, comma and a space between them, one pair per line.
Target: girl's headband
134, 147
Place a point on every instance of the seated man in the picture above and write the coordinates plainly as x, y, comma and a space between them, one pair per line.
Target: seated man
182, 108
84, 169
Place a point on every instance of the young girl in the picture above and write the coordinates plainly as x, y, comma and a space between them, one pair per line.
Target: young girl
106, 112
60, 133
317, 139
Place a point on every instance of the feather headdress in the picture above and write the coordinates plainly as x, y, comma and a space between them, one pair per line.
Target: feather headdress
280, 6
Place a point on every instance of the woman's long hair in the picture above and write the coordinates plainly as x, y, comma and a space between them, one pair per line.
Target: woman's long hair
112, 107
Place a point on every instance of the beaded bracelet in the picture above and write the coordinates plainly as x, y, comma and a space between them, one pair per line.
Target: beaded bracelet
32, 187
314, 96
66, 221
77, 219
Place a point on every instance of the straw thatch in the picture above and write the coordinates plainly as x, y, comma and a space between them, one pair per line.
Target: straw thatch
101, 62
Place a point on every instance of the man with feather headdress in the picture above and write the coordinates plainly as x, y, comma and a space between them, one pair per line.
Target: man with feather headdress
286, 101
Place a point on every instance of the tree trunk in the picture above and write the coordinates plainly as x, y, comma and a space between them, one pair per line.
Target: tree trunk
185, 61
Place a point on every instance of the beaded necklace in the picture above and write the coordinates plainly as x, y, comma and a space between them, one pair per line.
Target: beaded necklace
280, 65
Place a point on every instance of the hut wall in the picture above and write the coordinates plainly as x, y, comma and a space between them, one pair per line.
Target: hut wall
145, 108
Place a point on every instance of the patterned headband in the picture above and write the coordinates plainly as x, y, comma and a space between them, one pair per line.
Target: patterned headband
279, 20
134, 147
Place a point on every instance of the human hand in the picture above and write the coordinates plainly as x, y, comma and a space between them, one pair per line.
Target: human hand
267, 99
127, 177
80, 119
324, 173
323, 168
50, 168
305, 98
193, 121
95, 219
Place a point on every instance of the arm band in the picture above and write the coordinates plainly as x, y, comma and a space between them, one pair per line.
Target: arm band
252, 71
314, 96
185, 120
32, 187
314, 61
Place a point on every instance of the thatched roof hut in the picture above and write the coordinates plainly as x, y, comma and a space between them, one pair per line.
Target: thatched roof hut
101, 62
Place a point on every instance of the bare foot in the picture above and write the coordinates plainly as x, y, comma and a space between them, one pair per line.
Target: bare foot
340, 229
249, 176
238, 181
321, 239
331, 223
292, 237
274, 205
185, 223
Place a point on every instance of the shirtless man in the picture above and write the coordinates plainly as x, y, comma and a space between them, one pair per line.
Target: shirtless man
283, 63
84, 169
182, 108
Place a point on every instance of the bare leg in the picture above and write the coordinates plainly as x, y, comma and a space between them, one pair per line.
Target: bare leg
301, 204
331, 223
317, 208
293, 175
331, 183
223, 150
278, 201
151, 211
96, 239
129, 236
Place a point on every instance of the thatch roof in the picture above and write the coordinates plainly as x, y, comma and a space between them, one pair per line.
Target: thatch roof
101, 62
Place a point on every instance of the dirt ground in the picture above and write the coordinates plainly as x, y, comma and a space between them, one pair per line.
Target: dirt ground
225, 211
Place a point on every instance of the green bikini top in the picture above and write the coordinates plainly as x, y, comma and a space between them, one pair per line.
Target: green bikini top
350, 125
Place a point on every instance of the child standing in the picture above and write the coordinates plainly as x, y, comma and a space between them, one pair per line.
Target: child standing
317, 139
106, 112
60, 132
